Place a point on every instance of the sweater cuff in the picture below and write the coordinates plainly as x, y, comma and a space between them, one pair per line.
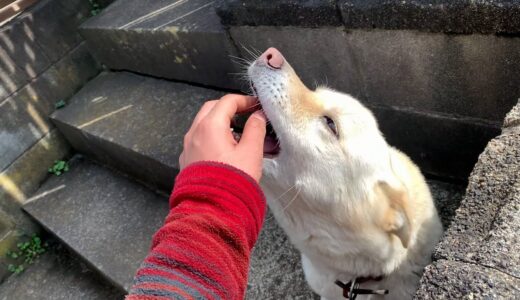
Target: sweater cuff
204, 177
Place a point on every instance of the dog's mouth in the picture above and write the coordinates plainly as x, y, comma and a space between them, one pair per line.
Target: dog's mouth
271, 142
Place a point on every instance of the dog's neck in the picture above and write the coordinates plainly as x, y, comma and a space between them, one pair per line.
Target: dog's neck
305, 204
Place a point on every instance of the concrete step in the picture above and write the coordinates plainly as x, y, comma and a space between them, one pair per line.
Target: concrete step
180, 40
104, 217
58, 275
133, 123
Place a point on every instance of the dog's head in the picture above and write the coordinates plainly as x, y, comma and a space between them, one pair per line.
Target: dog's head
325, 132
325, 142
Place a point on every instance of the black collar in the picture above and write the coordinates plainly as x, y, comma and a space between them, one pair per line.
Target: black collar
351, 289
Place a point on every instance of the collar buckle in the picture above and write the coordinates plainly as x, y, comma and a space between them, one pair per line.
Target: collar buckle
351, 289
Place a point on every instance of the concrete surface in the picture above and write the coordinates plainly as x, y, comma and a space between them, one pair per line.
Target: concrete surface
309, 13
462, 16
57, 275
8, 240
275, 270
461, 75
482, 243
447, 279
42, 61
102, 216
55, 28
484, 230
25, 113
181, 40
512, 119
34, 40
23, 177
134, 123
442, 145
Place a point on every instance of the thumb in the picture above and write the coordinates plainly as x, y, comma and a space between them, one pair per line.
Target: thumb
252, 139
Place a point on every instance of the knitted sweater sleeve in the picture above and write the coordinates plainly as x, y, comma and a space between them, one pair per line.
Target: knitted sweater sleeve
202, 251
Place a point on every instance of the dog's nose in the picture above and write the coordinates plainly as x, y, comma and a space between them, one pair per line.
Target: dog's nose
272, 58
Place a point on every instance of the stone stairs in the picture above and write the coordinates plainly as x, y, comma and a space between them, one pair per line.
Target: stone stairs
164, 59
103, 216
133, 123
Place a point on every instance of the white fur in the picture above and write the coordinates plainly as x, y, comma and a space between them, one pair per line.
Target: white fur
320, 189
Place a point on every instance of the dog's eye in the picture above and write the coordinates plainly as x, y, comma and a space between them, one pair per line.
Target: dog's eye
332, 125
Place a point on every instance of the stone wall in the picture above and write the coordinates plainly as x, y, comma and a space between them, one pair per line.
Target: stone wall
479, 255
43, 60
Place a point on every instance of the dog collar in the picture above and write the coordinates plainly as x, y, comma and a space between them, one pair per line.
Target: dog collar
351, 289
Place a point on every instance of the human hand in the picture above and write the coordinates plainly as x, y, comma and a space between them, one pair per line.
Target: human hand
210, 137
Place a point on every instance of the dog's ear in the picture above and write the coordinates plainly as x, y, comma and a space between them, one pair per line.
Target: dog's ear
395, 218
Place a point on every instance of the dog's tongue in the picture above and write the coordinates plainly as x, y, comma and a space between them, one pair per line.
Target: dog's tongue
270, 145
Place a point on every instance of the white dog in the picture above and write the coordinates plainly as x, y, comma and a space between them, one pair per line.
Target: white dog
356, 208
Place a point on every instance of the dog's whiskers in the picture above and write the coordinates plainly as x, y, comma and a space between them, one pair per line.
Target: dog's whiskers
254, 56
253, 106
292, 200
240, 59
256, 51
283, 194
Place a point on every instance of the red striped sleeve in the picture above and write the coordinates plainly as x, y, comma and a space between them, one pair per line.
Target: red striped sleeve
203, 249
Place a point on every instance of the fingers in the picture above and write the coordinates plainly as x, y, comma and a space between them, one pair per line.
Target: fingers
231, 104
252, 140
254, 107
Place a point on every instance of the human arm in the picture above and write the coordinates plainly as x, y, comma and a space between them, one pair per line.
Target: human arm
217, 209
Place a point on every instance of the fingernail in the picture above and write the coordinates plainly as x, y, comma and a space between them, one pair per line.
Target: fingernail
260, 115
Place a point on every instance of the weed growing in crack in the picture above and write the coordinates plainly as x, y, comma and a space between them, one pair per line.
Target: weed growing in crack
60, 104
95, 7
27, 252
59, 167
